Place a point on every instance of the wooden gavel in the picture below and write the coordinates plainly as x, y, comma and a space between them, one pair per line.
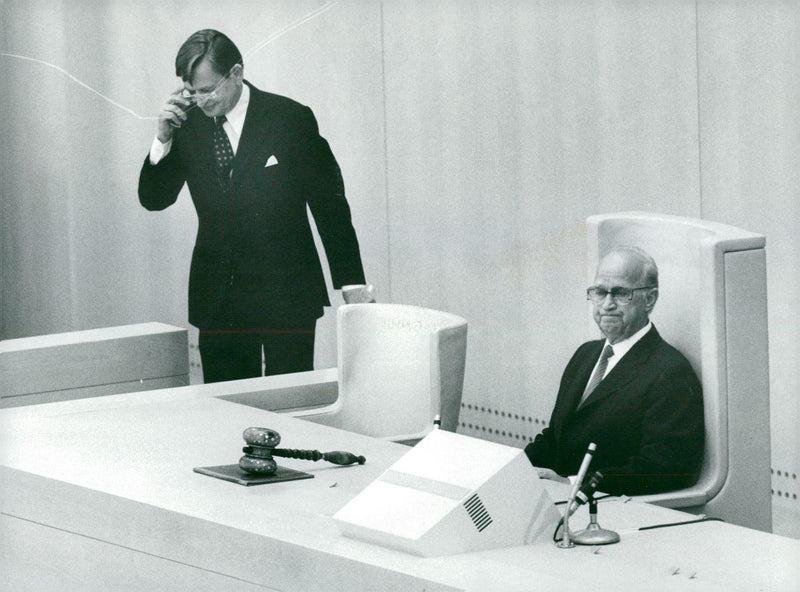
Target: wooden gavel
260, 450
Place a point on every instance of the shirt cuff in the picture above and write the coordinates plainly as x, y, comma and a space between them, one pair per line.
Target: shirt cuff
159, 150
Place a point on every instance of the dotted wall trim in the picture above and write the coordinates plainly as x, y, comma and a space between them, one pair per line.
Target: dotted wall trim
784, 485
497, 425
195, 365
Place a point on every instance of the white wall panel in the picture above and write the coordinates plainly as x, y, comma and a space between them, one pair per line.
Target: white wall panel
749, 57
507, 124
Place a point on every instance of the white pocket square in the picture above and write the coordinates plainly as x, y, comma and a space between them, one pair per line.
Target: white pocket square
271, 161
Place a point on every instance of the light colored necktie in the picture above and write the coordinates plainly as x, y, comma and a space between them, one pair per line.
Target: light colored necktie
223, 153
599, 372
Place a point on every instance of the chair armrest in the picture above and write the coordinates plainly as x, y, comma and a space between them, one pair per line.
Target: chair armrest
697, 495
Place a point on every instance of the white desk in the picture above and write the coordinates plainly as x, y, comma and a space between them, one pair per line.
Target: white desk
99, 494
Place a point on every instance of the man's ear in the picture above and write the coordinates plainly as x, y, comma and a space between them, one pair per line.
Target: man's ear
650, 299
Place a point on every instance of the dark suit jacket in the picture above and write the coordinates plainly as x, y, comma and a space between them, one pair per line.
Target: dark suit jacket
646, 418
255, 262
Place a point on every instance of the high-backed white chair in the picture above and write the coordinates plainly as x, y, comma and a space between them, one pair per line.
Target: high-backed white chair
712, 306
400, 367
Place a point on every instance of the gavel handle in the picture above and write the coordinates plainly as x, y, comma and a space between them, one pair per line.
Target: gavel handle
336, 457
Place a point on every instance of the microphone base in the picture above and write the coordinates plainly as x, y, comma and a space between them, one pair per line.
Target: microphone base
594, 535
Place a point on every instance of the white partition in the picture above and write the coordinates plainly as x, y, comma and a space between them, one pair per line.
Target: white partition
92, 363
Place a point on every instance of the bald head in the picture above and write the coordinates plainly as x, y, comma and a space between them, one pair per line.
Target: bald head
641, 266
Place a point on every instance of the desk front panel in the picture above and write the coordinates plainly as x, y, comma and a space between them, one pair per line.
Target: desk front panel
114, 476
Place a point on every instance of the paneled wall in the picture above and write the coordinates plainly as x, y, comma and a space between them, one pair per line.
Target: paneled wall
505, 129
749, 64
89, 77
474, 137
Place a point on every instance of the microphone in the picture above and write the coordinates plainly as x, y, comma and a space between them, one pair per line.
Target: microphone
586, 492
582, 471
592, 534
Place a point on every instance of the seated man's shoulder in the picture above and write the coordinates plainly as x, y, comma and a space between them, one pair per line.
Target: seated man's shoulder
673, 362
592, 347
667, 351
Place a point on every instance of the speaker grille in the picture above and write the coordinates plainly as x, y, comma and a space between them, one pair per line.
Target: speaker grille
476, 510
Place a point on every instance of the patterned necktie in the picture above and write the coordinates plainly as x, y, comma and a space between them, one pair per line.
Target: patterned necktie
599, 372
223, 153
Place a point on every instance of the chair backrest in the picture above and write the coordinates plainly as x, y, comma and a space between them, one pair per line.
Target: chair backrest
712, 307
399, 367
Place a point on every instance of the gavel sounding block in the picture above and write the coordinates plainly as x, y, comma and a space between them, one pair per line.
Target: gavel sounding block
236, 475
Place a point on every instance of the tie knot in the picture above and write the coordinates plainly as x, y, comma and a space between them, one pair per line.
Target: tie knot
218, 121
608, 351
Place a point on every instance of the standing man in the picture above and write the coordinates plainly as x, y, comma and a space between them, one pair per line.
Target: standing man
252, 161
632, 393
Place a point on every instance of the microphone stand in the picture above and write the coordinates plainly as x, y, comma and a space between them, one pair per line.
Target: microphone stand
565, 542
593, 534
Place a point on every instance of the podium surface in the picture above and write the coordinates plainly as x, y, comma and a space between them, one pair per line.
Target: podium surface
100, 494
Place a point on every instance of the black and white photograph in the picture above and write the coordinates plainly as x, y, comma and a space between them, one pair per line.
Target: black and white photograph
397, 295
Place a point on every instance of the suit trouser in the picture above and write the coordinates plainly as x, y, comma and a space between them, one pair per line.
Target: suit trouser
231, 354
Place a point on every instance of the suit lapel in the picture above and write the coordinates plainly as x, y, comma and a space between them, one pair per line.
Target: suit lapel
625, 371
257, 125
201, 139
582, 375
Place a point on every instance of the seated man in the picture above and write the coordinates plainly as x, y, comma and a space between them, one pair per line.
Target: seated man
632, 394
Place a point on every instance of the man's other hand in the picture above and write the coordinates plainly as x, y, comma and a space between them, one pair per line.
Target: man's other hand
551, 475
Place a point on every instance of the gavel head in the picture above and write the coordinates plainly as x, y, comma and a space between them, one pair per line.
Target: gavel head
263, 437
260, 442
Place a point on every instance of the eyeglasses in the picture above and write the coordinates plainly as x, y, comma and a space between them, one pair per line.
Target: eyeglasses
619, 295
206, 95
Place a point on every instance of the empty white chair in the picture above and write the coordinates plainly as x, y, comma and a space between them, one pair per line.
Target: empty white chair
712, 306
400, 367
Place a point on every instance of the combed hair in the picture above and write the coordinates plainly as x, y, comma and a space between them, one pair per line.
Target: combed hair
207, 44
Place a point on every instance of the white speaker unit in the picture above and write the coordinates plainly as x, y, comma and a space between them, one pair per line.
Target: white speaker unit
452, 494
